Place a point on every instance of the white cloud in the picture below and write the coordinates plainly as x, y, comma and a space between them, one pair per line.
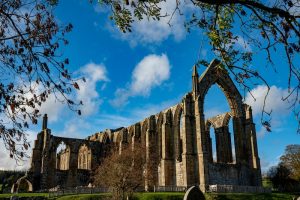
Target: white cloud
148, 73
93, 73
7, 163
274, 104
243, 43
52, 107
77, 128
155, 31
294, 10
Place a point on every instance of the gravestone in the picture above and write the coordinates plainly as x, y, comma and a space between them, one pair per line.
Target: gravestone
194, 193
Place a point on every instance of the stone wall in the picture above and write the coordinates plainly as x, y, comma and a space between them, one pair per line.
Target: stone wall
177, 140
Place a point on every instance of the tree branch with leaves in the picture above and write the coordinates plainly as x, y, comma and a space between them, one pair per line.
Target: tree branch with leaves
269, 27
32, 68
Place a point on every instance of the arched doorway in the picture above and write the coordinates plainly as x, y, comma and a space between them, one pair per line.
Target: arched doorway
22, 185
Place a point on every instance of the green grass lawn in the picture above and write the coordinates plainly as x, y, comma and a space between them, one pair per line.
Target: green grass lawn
7, 196
164, 196
137, 196
179, 196
159, 196
267, 183
25, 195
85, 197
247, 196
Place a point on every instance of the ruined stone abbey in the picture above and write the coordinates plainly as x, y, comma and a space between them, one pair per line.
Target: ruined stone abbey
179, 137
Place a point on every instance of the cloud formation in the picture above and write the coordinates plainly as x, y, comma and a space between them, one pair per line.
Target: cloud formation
88, 94
278, 108
150, 72
149, 31
7, 163
93, 73
52, 107
243, 43
274, 100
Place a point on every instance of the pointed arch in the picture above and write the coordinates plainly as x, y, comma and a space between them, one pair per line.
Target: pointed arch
226, 119
23, 185
62, 156
85, 157
215, 74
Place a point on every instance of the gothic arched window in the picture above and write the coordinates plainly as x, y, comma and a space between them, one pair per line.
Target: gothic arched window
84, 157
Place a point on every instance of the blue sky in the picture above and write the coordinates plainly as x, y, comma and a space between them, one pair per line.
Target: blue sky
131, 76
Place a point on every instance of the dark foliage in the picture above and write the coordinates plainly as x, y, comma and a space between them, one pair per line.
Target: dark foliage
281, 180
8, 178
291, 160
31, 68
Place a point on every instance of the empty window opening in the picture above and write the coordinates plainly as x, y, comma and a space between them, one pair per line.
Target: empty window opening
84, 157
62, 156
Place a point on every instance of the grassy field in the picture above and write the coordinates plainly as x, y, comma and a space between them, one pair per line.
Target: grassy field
7, 196
85, 197
159, 196
179, 196
164, 196
240, 196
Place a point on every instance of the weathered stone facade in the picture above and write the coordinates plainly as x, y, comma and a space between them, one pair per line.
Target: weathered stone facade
179, 139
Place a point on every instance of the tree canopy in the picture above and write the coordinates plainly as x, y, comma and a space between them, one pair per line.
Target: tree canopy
291, 160
285, 176
32, 67
271, 27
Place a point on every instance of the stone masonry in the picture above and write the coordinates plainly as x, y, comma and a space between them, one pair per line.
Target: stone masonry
179, 137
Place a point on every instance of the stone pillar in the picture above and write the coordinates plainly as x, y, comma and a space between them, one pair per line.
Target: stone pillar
166, 164
209, 149
238, 139
36, 161
48, 166
219, 146
254, 160
151, 162
223, 143
45, 122
204, 148
255, 157
189, 143
136, 134
227, 145
36, 157
73, 165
